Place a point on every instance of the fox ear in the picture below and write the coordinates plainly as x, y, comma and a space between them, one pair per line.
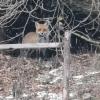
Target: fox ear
36, 24
47, 22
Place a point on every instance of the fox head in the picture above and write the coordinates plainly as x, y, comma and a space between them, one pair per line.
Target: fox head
42, 29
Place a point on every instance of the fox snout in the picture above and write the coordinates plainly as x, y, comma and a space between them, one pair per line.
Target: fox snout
43, 34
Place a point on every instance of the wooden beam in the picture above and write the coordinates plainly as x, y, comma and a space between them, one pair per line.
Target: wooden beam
30, 45
66, 66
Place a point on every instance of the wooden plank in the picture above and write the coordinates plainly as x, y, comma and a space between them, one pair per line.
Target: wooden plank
30, 45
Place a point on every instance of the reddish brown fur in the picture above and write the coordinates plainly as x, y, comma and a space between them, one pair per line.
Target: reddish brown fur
33, 37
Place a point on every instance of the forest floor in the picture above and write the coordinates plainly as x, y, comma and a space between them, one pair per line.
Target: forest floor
30, 79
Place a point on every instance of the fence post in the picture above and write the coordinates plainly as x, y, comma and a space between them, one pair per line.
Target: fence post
66, 66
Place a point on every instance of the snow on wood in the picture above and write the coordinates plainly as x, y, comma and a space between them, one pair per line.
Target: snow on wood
30, 45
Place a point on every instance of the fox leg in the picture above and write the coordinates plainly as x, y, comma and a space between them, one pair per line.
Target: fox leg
43, 53
24, 52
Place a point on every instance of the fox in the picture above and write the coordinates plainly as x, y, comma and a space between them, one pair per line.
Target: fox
41, 35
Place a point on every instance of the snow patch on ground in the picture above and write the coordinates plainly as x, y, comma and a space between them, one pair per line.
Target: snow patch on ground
9, 97
78, 77
49, 96
92, 73
87, 74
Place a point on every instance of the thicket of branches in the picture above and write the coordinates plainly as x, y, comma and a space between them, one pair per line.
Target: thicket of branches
82, 21
81, 17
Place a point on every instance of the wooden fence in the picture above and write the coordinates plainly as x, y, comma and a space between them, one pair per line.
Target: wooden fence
66, 55
30, 45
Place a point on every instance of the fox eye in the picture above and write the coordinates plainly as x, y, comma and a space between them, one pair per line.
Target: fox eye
44, 30
39, 29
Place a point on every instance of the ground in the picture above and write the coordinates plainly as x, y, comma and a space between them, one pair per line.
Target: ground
31, 79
